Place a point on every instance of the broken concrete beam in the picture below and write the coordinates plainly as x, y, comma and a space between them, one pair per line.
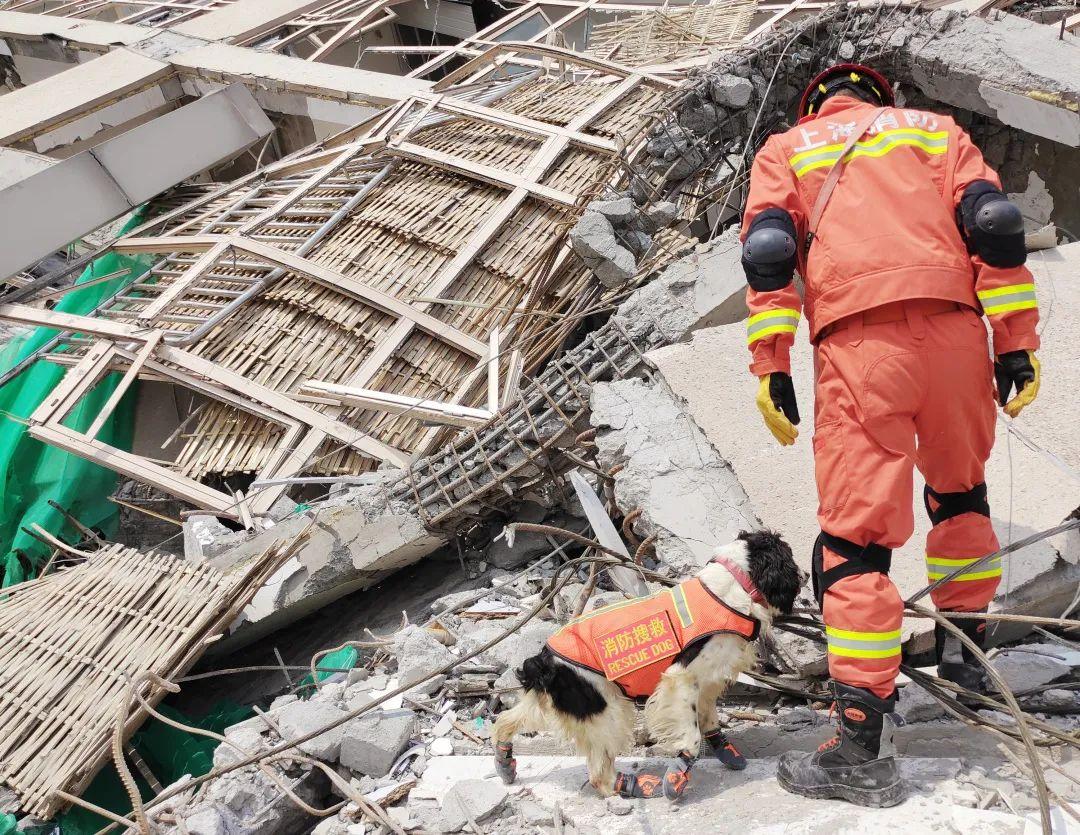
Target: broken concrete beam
1014, 70
702, 289
1041, 579
355, 541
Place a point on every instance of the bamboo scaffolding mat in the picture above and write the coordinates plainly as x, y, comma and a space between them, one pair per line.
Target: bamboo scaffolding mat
72, 640
662, 35
400, 239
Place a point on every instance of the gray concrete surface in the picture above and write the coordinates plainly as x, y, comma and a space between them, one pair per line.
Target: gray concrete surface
726, 801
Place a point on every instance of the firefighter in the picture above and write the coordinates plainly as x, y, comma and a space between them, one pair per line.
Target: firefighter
903, 239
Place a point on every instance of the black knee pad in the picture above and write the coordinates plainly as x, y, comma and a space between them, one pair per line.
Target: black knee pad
943, 506
858, 559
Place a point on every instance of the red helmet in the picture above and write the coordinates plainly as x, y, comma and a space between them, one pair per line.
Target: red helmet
858, 76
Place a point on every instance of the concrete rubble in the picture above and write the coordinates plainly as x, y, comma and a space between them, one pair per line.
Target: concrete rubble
644, 396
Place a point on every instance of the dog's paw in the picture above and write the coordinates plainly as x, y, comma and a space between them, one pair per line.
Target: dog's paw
505, 763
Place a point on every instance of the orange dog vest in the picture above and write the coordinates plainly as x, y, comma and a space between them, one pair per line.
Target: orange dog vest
632, 643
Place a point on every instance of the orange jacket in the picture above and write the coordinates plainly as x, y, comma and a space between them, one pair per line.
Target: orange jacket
633, 642
889, 231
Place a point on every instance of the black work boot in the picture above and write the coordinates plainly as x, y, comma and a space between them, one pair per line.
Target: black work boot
725, 751
858, 764
956, 663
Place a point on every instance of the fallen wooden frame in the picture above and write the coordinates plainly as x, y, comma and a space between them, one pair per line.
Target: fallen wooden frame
46, 423
213, 247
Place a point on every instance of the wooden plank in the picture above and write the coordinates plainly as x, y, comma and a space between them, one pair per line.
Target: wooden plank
397, 404
478, 171
513, 378
90, 365
167, 244
34, 317
133, 466
284, 404
493, 371
1072, 23
512, 121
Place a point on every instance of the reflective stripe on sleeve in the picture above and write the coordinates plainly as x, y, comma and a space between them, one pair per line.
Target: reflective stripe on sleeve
938, 567
760, 325
1007, 299
863, 644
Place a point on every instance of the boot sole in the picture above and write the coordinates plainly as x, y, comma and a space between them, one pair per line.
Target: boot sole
892, 795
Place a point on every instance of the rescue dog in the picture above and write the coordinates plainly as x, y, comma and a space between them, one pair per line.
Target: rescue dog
590, 702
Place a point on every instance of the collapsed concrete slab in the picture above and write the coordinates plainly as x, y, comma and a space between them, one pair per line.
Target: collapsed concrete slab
689, 497
711, 371
1015, 70
355, 541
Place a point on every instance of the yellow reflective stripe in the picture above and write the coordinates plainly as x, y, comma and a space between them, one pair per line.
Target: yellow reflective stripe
854, 644
1008, 290
1009, 298
862, 636
761, 334
885, 135
873, 153
781, 312
682, 608
864, 653
1029, 304
785, 319
938, 567
971, 575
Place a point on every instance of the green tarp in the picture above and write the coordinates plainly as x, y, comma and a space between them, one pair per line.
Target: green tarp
32, 473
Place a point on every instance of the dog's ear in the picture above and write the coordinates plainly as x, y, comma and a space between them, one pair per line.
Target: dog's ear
772, 568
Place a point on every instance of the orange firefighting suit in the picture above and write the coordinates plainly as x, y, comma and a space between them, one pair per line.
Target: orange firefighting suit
892, 298
632, 643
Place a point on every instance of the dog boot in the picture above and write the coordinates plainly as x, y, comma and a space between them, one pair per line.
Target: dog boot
725, 751
858, 764
956, 663
677, 777
505, 764
637, 785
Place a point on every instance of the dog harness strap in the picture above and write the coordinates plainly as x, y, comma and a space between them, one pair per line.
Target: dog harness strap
742, 578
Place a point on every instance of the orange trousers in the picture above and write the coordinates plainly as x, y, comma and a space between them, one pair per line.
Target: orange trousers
917, 371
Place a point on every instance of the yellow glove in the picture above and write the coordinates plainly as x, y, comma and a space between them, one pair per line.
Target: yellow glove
1019, 369
776, 402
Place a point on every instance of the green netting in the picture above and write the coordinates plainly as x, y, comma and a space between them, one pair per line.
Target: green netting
170, 754
343, 659
32, 473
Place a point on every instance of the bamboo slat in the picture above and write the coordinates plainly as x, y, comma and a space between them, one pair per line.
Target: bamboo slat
70, 642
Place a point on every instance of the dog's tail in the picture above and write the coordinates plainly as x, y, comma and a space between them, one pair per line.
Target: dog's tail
538, 672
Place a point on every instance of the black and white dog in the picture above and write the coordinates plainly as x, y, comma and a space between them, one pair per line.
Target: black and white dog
753, 578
